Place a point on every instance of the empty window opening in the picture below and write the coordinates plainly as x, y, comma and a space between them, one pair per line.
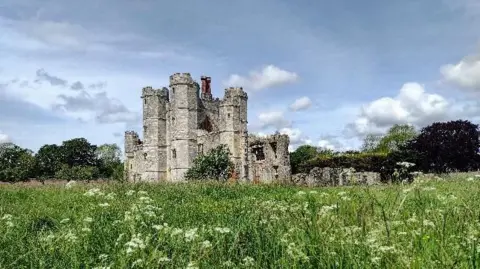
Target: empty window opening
173, 120
174, 153
145, 156
258, 152
276, 171
228, 115
144, 129
131, 166
145, 101
274, 148
206, 125
200, 149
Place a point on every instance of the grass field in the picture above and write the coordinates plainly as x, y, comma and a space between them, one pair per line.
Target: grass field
429, 224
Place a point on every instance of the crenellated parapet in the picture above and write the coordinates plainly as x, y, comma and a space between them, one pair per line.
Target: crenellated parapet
233, 92
181, 79
131, 141
149, 92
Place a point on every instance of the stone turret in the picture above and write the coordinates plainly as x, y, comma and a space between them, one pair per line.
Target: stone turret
184, 124
233, 115
154, 133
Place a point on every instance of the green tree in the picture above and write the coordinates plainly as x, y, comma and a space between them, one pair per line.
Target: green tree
302, 155
371, 142
78, 152
48, 160
215, 164
16, 163
108, 156
397, 136
447, 146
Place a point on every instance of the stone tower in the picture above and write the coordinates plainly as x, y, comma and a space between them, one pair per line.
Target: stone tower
233, 118
183, 123
154, 133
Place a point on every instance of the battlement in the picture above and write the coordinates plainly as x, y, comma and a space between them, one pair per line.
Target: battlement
149, 91
132, 134
277, 137
235, 92
181, 79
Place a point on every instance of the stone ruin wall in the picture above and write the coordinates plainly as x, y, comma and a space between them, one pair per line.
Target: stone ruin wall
324, 177
269, 159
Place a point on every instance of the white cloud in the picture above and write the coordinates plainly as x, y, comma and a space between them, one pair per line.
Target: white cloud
4, 138
270, 76
275, 119
464, 74
412, 105
301, 103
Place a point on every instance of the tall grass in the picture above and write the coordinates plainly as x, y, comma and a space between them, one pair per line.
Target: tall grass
430, 224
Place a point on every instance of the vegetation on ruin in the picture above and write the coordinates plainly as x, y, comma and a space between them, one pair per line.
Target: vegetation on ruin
214, 165
430, 223
441, 147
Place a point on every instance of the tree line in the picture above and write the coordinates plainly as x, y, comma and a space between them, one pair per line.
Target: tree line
74, 159
441, 147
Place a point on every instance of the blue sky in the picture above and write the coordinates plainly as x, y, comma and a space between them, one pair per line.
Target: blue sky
324, 72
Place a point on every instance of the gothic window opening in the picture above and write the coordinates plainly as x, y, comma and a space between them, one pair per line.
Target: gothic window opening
206, 125
174, 153
258, 152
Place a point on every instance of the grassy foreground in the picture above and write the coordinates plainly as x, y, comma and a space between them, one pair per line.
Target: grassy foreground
429, 224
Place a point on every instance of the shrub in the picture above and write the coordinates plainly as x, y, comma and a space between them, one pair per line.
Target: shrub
215, 164
77, 172
447, 146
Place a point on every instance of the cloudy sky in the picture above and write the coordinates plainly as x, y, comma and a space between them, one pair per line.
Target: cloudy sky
324, 72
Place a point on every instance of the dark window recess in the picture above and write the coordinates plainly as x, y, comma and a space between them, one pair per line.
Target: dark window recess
228, 115
145, 155
144, 100
258, 152
200, 149
173, 120
144, 129
206, 125
274, 148
174, 153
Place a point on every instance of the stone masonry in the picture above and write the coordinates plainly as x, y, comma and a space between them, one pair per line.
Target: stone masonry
184, 121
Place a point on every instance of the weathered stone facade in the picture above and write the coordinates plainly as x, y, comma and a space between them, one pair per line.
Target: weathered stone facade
181, 122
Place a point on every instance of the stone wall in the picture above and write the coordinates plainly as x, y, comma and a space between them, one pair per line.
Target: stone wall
318, 177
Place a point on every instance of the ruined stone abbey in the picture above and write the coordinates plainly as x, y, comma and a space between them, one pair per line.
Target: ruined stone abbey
181, 122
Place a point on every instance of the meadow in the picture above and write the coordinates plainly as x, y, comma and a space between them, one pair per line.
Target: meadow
431, 223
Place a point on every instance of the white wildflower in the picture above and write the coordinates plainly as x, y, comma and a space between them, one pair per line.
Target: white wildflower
93, 192
248, 261
206, 244
164, 259
63, 221
110, 196
222, 230
142, 193
130, 193
104, 205
176, 231
192, 265
427, 222
88, 219
191, 234
71, 237
301, 193
136, 242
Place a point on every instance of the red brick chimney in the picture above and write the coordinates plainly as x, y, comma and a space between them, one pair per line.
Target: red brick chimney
206, 88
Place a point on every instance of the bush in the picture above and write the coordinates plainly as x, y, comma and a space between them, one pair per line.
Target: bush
215, 164
80, 172
447, 147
